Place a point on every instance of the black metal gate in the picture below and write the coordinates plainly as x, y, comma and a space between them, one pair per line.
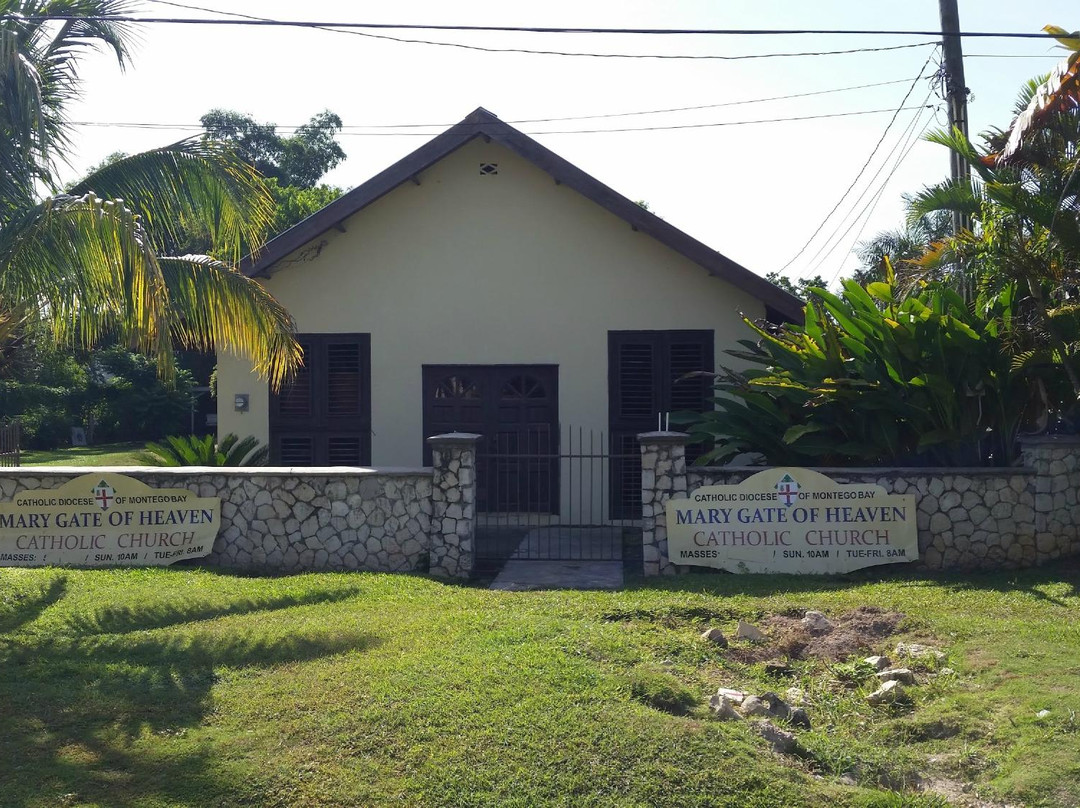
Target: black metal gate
551, 497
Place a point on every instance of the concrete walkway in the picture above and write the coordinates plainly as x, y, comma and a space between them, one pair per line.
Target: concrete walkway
524, 570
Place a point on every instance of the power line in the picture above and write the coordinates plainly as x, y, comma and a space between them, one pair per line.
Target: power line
901, 142
536, 52
862, 170
1012, 56
904, 144
663, 111
880, 194
181, 127
260, 22
696, 108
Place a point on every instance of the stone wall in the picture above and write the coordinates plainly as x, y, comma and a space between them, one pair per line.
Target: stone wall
978, 518
294, 519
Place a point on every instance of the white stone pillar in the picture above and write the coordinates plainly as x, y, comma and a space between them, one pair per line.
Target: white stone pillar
453, 504
663, 477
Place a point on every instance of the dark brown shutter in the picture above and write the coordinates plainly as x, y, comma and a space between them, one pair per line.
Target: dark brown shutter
294, 401
323, 417
646, 377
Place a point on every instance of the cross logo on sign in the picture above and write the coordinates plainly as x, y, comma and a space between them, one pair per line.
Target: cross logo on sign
104, 495
787, 490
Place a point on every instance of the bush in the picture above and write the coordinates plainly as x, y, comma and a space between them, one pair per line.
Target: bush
193, 450
120, 390
873, 378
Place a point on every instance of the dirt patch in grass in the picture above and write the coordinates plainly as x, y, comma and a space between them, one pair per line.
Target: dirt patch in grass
854, 633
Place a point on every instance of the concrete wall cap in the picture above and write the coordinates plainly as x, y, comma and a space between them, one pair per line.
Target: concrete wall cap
226, 471
663, 437
454, 439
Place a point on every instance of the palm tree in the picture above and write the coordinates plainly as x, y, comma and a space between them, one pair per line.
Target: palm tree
1058, 92
90, 260
897, 248
1025, 242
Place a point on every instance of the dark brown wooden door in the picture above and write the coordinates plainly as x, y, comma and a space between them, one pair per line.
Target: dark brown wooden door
646, 371
323, 417
515, 408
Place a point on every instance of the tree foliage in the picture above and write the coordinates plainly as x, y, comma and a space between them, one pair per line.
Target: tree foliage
1025, 234
91, 262
800, 287
874, 377
299, 160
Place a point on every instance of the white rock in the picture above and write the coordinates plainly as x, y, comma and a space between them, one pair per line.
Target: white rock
902, 675
878, 663
887, 694
796, 696
748, 631
723, 708
816, 621
1042, 713
734, 696
753, 706
917, 651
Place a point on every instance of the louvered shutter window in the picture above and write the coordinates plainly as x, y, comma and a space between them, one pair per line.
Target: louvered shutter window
343, 370
647, 376
294, 401
323, 416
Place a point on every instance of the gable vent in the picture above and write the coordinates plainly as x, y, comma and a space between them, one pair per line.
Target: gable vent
488, 169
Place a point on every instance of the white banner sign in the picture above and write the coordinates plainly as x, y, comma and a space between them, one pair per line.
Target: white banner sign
106, 520
794, 521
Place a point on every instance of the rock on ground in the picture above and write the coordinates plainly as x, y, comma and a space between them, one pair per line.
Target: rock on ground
782, 742
723, 708
916, 651
748, 631
817, 623
888, 693
715, 636
902, 675
753, 706
878, 663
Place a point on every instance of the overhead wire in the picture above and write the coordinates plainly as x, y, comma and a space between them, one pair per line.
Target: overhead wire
863, 168
265, 22
538, 52
658, 128
518, 121
836, 238
905, 144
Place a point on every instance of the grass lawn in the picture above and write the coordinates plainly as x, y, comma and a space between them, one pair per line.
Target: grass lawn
107, 454
191, 687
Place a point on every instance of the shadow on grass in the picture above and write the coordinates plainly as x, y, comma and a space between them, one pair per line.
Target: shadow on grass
29, 606
1030, 580
125, 619
77, 709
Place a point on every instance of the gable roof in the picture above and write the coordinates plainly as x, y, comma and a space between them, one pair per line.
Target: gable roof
481, 123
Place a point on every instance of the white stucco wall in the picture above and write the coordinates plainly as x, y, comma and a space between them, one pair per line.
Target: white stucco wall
473, 269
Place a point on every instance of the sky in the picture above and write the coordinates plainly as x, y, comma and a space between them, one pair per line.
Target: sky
757, 192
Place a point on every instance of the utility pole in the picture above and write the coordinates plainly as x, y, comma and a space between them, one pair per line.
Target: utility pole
956, 93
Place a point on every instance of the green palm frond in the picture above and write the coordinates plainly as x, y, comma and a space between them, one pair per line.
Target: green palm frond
192, 450
87, 261
192, 182
959, 196
216, 307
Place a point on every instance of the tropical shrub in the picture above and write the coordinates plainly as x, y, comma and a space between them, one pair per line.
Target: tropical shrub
193, 450
873, 378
